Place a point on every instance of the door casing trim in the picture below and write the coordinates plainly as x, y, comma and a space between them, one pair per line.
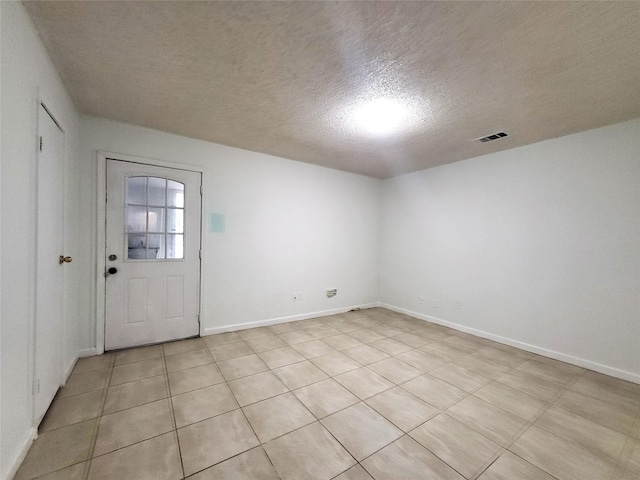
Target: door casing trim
100, 231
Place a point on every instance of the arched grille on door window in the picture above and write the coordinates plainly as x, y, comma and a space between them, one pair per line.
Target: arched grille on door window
154, 218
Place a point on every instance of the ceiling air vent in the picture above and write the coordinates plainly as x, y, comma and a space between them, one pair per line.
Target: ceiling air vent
490, 138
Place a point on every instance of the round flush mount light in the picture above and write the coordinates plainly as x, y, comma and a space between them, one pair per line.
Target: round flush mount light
382, 117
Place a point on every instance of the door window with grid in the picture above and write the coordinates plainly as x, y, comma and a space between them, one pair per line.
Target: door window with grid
154, 219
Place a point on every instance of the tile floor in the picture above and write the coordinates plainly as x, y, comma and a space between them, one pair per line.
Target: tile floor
366, 394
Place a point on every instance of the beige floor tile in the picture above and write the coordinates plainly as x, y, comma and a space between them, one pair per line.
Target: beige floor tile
322, 331
366, 335
137, 371
157, 458
512, 467
404, 410
611, 415
390, 346
242, 366
254, 332
465, 450
341, 341
335, 364
181, 346
387, 331
365, 354
634, 459
182, 361
433, 391
463, 343
84, 382
194, 378
135, 393
58, 449
414, 341
264, 343
348, 327
310, 453
251, 465
230, 350
198, 405
460, 377
211, 441
530, 384
257, 387
489, 420
285, 327
407, 459
296, 336
421, 360
95, 362
444, 351
481, 366
313, 349
221, 339
281, 357
325, 397
590, 435
615, 384
361, 430
630, 475
510, 399
299, 374
395, 370
276, 416
69, 410
496, 355
610, 391
550, 373
560, 458
363, 383
138, 354
133, 425
74, 472
354, 473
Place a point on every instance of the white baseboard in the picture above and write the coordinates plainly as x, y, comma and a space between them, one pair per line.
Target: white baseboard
87, 352
32, 433
275, 321
563, 357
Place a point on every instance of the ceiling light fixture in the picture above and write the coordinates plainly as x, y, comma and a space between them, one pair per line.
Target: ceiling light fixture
382, 117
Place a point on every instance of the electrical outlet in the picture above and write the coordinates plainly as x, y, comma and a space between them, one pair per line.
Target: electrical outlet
459, 304
299, 296
434, 303
421, 300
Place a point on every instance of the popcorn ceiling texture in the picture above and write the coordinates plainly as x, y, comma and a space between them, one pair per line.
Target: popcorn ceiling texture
283, 77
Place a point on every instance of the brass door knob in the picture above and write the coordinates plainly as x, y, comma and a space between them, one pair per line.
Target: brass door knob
64, 259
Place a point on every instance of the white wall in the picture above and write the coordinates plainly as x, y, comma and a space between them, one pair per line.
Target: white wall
290, 226
541, 244
26, 71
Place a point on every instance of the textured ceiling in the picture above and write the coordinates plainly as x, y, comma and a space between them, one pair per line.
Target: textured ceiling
283, 77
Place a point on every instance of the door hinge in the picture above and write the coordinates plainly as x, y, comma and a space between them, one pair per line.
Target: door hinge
200, 254
198, 318
200, 185
40, 142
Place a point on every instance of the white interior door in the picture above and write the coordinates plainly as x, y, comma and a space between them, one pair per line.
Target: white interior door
49, 278
152, 254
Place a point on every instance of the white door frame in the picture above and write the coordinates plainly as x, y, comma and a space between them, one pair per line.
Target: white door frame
101, 219
42, 102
